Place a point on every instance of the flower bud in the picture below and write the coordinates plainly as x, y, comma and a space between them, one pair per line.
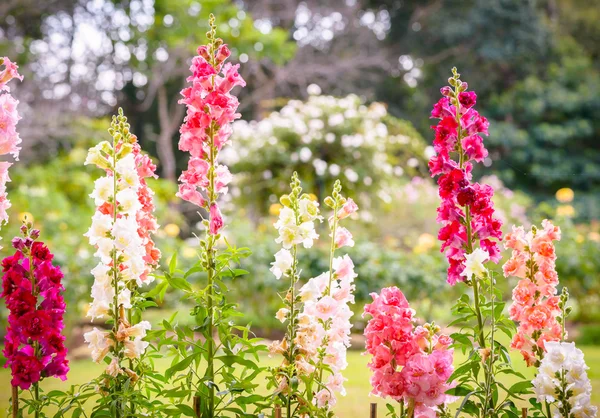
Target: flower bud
285, 200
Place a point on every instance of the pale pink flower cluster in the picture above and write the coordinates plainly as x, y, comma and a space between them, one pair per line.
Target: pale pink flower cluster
409, 364
326, 308
535, 301
9, 137
206, 129
121, 231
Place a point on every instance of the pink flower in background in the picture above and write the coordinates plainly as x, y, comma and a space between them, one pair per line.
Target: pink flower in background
535, 301
206, 129
457, 144
9, 137
34, 320
409, 364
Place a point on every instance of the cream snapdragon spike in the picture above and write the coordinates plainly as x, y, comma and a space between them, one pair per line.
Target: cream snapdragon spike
121, 233
295, 227
563, 383
317, 315
326, 305
466, 211
536, 305
9, 137
410, 364
210, 110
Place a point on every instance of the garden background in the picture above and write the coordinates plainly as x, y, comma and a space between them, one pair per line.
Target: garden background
334, 89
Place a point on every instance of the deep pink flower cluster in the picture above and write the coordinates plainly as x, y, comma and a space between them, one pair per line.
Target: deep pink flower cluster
33, 346
210, 110
535, 302
410, 364
467, 210
9, 137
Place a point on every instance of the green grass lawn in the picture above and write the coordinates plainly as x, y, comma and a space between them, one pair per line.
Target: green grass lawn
355, 404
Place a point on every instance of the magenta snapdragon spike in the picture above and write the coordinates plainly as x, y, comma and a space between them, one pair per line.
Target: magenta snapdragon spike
467, 210
210, 110
34, 345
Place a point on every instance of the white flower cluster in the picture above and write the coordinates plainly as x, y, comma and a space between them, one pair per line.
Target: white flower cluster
295, 231
562, 378
114, 233
118, 236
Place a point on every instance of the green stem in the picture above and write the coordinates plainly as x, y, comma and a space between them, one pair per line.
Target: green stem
116, 282
548, 411
36, 397
480, 335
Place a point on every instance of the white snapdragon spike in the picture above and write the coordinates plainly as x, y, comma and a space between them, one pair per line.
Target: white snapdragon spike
562, 381
120, 232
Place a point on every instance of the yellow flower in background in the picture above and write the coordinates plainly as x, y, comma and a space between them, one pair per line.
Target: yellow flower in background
189, 252
274, 209
312, 197
579, 239
171, 230
565, 210
425, 242
26, 216
565, 195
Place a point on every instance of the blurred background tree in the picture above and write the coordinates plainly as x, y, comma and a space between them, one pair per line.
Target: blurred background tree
534, 64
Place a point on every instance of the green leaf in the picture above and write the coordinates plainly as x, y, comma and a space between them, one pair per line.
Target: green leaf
521, 387
187, 410
177, 367
173, 263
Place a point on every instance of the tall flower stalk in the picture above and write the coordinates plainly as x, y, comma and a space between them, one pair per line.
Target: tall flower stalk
470, 233
206, 129
317, 315
121, 232
34, 345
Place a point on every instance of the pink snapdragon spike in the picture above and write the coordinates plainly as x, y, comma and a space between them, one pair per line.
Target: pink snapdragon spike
9, 137
466, 211
535, 305
206, 129
410, 364
31, 287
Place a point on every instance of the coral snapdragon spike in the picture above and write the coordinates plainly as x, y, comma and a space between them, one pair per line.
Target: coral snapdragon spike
9, 137
207, 126
34, 345
121, 233
536, 305
467, 211
410, 364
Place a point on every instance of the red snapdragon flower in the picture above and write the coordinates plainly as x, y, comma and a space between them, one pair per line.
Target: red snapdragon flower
466, 211
34, 346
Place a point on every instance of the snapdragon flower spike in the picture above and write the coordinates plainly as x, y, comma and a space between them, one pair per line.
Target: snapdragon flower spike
326, 306
563, 383
536, 305
34, 346
207, 126
296, 227
467, 211
121, 233
410, 364
9, 137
